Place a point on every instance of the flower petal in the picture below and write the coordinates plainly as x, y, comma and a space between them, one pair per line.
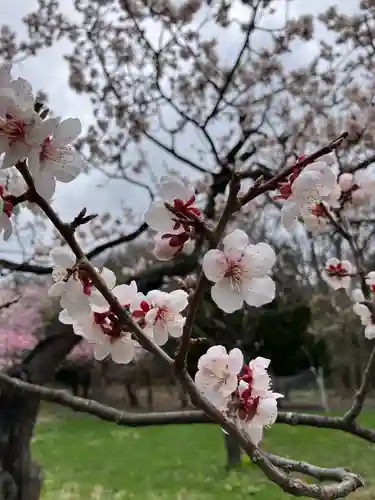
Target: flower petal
235, 360
178, 300
108, 277
226, 298
175, 329
67, 132
259, 291
123, 351
125, 294
159, 218
101, 351
65, 318
173, 189
63, 257
259, 259
236, 239
45, 184
57, 289
214, 265
160, 333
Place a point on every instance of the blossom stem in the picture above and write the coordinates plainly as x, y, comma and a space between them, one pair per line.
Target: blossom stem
272, 184
196, 299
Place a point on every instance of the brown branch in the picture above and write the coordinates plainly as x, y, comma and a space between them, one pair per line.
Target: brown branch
326, 422
229, 77
272, 184
105, 412
196, 299
347, 481
275, 468
10, 302
272, 472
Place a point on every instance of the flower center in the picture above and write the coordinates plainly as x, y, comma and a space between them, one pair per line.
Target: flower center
234, 272
247, 405
12, 128
109, 323
336, 270
285, 187
46, 151
60, 274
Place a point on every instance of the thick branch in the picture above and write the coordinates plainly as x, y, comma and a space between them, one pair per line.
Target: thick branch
272, 184
196, 299
270, 464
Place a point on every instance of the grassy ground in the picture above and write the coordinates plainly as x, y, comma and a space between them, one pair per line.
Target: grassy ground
88, 459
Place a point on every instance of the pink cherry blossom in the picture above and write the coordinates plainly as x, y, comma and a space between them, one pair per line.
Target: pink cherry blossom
367, 319
256, 410
240, 272
217, 375
101, 327
73, 285
180, 197
52, 156
315, 180
17, 121
6, 210
161, 313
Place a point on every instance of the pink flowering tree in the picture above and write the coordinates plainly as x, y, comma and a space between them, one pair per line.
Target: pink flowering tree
276, 143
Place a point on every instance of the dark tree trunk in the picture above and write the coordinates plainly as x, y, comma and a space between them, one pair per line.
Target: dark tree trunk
132, 394
233, 452
20, 477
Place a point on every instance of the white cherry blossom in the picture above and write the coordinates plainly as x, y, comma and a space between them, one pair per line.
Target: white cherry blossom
257, 410
310, 210
315, 181
240, 272
370, 280
17, 121
6, 211
367, 319
119, 345
337, 272
74, 286
217, 375
161, 312
364, 187
52, 156
181, 197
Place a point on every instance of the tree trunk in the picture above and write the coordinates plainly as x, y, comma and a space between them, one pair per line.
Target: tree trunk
233, 452
20, 477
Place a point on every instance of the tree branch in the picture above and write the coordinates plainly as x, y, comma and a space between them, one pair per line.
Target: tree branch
269, 463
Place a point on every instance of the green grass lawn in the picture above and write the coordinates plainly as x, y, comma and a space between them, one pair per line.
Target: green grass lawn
85, 458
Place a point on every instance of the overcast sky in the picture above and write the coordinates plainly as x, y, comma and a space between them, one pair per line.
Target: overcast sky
49, 72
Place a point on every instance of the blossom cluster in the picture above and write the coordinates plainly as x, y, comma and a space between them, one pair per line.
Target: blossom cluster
338, 274
310, 194
239, 271
241, 392
157, 313
46, 144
